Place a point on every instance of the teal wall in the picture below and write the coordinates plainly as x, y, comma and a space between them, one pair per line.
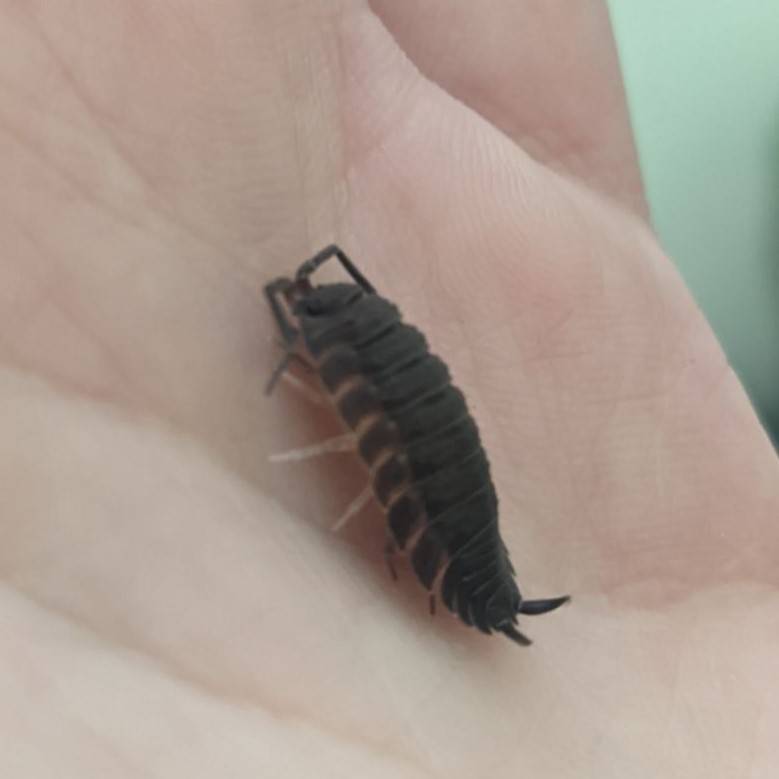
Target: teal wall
702, 78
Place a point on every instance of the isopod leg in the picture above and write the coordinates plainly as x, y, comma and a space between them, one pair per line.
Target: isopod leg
357, 505
389, 553
278, 371
289, 333
340, 443
295, 356
311, 394
274, 292
310, 266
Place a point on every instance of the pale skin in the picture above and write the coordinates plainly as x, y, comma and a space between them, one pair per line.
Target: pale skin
171, 603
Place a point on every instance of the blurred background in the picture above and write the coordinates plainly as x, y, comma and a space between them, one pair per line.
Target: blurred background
702, 78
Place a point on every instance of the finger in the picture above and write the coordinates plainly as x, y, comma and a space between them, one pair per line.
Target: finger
545, 72
572, 332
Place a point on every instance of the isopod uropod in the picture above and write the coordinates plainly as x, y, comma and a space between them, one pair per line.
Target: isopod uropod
414, 433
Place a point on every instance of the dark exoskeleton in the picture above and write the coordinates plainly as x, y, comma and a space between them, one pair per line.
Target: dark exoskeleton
416, 436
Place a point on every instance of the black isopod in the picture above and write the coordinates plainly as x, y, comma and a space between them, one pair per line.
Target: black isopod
416, 436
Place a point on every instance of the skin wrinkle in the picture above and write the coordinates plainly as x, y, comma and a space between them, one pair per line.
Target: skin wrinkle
121, 153
122, 217
82, 96
576, 147
53, 292
297, 136
176, 673
49, 163
307, 84
118, 384
565, 156
117, 391
397, 109
333, 202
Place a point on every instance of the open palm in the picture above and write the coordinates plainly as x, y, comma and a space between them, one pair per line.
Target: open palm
172, 603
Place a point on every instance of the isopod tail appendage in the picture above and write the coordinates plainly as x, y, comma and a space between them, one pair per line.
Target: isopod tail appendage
533, 607
518, 638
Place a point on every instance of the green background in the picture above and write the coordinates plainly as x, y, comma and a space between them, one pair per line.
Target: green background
702, 78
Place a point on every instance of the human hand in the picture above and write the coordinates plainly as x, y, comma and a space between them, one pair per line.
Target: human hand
172, 604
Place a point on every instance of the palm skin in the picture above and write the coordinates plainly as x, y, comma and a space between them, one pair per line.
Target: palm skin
171, 603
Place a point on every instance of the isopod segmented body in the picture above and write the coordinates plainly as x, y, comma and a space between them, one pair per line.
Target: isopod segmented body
416, 436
